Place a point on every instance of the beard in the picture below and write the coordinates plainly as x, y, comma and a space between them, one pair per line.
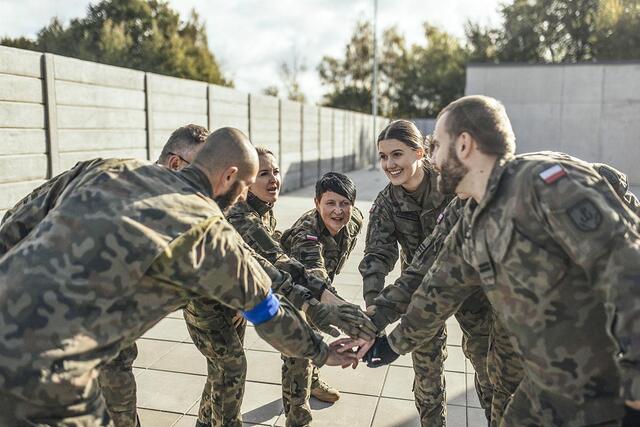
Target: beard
451, 173
228, 199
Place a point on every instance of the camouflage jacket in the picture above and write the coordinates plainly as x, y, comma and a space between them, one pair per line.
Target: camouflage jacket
323, 255
394, 299
558, 255
253, 219
98, 255
398, 217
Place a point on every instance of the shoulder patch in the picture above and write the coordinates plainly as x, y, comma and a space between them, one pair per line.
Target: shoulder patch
311, 237
440, 218
552, 174
585, 215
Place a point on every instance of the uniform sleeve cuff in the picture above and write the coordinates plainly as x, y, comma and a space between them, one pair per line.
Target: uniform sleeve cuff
322, 355
396, 343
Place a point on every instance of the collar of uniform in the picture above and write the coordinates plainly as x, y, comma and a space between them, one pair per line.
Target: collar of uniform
258, 205
434, 198
492, 185
197, 179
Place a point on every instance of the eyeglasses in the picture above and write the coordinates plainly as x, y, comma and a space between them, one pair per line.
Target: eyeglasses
180, 157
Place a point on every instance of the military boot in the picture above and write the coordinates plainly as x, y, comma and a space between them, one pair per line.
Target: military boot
324, 392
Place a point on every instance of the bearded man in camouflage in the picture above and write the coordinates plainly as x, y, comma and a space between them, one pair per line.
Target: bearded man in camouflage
98, 255
556, 251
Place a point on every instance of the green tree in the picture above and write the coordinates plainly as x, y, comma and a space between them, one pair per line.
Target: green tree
350, 79
560, 31
142, 34
618, 26
429, 76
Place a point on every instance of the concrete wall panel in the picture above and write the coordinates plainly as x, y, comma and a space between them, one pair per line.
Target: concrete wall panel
622, 83
20, 88
86, 95
21, 115
326, 139
12, 192
594, 116
310, 144
99, 118
264, 122
76, 70
24, 167
582, 84
20, 62
95, 139
22, 141
290, 143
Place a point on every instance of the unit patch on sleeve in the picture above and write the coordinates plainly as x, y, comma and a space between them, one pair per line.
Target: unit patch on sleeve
585, 215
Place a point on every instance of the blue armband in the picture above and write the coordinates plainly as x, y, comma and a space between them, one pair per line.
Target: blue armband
264, 311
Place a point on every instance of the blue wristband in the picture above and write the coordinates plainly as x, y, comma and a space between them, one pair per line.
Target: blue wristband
264, 311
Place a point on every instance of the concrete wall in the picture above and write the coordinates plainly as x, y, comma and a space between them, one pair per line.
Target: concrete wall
591, 111
56, 111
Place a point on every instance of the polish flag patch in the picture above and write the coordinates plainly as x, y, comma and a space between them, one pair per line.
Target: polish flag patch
552, 174
440, 218
311, 237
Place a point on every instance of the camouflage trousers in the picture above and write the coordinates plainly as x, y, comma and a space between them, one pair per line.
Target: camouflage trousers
65, 410
211, 327
475, 317
428, 382
118, 387
505, 370
299, 376
532, 406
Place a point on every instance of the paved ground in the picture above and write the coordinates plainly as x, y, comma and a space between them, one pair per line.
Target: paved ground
170, 372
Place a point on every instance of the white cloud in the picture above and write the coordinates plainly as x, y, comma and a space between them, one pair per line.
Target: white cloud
251, 37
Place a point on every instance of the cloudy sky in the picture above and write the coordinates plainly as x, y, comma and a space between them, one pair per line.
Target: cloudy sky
251, 38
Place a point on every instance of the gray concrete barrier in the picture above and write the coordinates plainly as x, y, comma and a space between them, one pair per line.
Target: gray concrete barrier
591, 111
56, 111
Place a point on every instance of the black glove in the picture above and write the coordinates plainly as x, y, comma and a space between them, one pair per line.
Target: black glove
380, 353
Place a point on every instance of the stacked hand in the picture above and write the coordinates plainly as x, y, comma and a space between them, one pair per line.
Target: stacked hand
376, 352
346, 316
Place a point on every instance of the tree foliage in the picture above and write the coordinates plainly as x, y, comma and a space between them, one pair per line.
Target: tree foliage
142, 34
419, 80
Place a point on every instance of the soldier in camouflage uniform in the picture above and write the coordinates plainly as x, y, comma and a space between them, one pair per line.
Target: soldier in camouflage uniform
504, 365
321, 239
212, 329
556, 251
405, 213
99, 254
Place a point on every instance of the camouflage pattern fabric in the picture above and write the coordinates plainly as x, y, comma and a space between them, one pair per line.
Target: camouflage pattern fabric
96, 257
210, 325
118, 386
297, 376
392, 301
398, 217
546, 244
504, 367
255, 222
323, 255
